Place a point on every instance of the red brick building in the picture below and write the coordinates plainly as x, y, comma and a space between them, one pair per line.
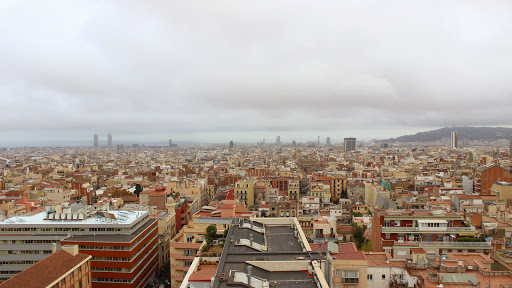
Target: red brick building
489, 174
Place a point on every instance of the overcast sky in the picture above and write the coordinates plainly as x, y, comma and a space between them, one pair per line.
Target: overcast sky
214, 71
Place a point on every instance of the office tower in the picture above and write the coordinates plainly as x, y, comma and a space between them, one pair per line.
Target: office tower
110, 140
318, 141
96, 140
170, 142
278, 140
510, 145
349, 144
231, 145
384, 145
453, 140
294, 144
328, 141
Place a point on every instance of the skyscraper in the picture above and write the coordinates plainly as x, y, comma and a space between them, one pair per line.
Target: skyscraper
318, 142
349, 144
328, 141
231, 145
170, 143
96, 140
453, 140
511, 145
110, 140
278, 140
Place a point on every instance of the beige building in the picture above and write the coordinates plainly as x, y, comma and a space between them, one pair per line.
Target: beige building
166, 231
244, 191
504, 191
293, 189
56, 196
349, 269
321, 191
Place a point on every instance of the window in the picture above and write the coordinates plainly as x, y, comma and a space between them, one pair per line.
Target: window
383, 277
350, 276
71, 275
370, 277
338, 272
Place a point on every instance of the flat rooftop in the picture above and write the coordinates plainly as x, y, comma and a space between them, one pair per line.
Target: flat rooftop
276, 256
119, 217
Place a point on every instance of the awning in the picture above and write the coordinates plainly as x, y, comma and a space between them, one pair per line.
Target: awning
467, 234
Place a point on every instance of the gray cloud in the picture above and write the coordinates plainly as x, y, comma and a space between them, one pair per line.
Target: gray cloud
216, 70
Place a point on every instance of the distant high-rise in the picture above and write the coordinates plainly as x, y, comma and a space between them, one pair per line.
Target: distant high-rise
278, 140
96, 140
231, 144
453, 140
349, 144
510, 145
110, 140
294, 143
170, 143
328, 141
318, 141
384, 145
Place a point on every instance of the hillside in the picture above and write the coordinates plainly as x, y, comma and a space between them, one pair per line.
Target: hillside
470, 133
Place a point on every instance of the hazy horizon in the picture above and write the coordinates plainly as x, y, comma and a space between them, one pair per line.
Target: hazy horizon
203, 71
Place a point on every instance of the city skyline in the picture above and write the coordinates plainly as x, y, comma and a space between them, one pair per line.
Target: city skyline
207, 76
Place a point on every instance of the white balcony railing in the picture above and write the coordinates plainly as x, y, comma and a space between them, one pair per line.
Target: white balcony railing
443, 243
428, 229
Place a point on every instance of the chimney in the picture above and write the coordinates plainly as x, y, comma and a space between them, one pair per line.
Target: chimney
71, 249
54, 247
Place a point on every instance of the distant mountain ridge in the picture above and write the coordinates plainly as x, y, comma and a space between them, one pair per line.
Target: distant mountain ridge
470, 133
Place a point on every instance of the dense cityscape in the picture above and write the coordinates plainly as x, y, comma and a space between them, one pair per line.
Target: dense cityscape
255, 144
315, 214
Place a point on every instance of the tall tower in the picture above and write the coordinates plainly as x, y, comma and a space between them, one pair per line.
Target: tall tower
318, 141
110, 140
170, 142
231, 144
278, 140
349, 144
453, 140
96, 140
328, 141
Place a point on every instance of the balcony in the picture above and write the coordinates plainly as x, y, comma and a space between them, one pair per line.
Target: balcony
428, 229
453, 245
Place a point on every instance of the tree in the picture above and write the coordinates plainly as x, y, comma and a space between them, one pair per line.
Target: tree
211, 234
344, 194
226, 232
367, 246
138, 189
357, 214
358, 233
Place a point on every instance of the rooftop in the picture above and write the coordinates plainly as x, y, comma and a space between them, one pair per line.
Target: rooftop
47, 271
98, 219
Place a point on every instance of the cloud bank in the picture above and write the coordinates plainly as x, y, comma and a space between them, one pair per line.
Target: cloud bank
212, 71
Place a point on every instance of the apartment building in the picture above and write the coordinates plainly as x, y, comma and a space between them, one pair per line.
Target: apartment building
244, 191
436, 231
123, 244
65, 268
485, 176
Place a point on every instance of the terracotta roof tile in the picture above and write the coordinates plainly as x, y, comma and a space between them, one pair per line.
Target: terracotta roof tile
46, 271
